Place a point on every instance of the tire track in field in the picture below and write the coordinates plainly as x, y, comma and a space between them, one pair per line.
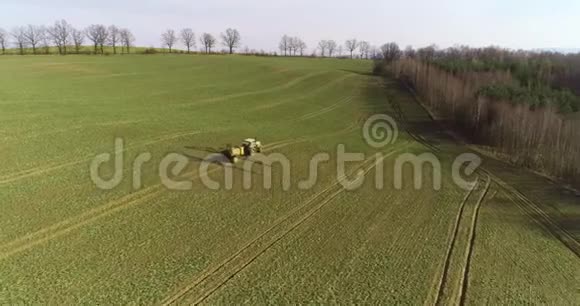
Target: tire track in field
212, 271
327, 109
39, 170
124, 202
317, 201
295, 225
66, 226
72, 128
279, 144
42, 170
309, 94
441, 283
533, 210
204, 276
350, 128
401, 118
539, 215
464, 282
71, 227
285, 143
80, 127
286, 85
449, 290
548, 224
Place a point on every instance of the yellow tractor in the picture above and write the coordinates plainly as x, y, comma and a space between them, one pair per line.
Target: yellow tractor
247, 148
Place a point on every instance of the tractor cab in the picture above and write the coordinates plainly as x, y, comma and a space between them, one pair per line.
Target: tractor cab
248, 147
251, 145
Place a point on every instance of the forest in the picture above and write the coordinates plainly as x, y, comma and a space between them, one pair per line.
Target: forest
520, 105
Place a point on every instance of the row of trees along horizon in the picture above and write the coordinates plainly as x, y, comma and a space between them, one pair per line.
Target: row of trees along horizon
63, 36
66, 39
523, 106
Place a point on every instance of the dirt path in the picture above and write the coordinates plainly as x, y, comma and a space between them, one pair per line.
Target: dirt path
453, 282
451, 244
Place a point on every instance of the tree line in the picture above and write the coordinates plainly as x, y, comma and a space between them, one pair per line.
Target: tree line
354, 48
539, 79
64, 36
68, 39
292, 46
514, 102
231, 39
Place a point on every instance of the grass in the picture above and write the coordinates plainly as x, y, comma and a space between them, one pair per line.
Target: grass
536, 278
62, 240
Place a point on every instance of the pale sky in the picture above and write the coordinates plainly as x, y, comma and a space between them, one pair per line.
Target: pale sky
526, 24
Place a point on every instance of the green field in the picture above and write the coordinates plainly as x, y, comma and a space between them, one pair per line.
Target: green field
514, 239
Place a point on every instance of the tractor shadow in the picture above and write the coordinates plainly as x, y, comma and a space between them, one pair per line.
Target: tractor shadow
205, 149
218, 158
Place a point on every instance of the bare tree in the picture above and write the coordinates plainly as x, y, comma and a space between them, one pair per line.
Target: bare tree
391, 52
340, 50
104, 36
296, 45
293, 45
351, 45
97, 33
127, 39
188, 38
45, 43
113, 38
92, 33
78, 37
20, 38
231, 39
33, 35
427, 53
410, 52
375, 53
168, 38
284, 44
3, 40
323, 45
331, 46
60, 34
301, 47
208, 42
52, 33
364, 48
